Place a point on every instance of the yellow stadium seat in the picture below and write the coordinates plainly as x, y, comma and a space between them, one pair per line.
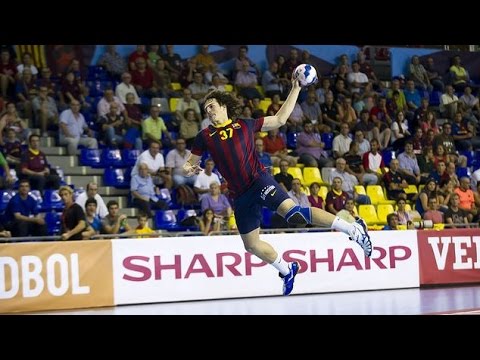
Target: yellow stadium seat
300, 166
369, 214
375, 192
296, 173
173, 104
264, 104
276, 170
407, 207
360, 190
323, 192
176, 86
228, 87
401, 227
382, 211
420, 187
311, 175
411, 189
440, 226
306, 190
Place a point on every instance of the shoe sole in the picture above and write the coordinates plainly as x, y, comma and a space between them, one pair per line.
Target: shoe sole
362, 222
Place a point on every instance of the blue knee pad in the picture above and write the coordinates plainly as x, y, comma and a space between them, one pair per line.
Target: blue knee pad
299, 216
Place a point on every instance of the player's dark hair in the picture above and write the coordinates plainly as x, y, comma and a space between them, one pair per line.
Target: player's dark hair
224, 98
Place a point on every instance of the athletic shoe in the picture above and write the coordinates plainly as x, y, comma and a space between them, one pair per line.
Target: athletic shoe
289, 279
359, 234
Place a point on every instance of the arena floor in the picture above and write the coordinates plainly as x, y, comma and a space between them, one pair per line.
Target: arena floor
463, 300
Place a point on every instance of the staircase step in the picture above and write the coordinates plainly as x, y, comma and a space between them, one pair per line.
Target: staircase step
82, 170
47, 141
110, 190
54, 150
82, 180
64, 161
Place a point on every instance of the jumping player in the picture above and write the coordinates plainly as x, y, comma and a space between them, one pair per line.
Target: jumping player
231, 144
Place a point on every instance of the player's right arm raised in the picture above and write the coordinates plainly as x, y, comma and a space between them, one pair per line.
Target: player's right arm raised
281, 117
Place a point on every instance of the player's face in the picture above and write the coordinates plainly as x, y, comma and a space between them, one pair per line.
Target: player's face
216, 113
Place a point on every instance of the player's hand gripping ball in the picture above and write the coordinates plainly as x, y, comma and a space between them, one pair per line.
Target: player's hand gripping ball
305, 74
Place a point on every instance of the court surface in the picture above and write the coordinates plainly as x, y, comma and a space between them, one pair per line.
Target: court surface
463, 300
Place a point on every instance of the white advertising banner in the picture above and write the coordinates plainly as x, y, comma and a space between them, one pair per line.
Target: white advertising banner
215, 267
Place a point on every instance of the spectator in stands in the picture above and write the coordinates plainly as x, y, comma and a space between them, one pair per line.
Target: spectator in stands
8, 73
208, 223
313, 198
426, 163
22, 214
205, 178
142, 228
397, 97
455, 215
215, 77
336, 197
103, 106
156, 164
246, 82
363, 144
412, 96
92, 192
198, 87
434, 75
400, 131
113, 62
409, 165
25, 90
311, 109
243, 57
448, 103
6, 180
380, 116
433, 214
392, 222
355, 166
126, 87
297, 195
275, 146
154, 127
403, 216
452, 174
187, 102
144, 81
357, 79
217, 202
144, 193
72, 91
373, 160
72, 129
91, 217
349, 213
459, 75
10, 119
173, 63
176, 158
348, 182
395, 183
139, 53
470, 104
466, 198
114, 223
330, 111
446, 139
12, 148
45, 80
419, 75
272, 83
283, 177
133, 121
45, 110
341, 142
189, 126
73, 216
113, 127
262, 155
35, 167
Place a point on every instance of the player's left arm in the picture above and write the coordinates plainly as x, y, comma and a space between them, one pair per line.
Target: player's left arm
281, 117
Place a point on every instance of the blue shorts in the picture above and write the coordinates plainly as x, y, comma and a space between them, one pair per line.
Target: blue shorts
264, 191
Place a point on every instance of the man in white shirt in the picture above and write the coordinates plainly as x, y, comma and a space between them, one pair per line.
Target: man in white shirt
92, 192
156, 164
204, 179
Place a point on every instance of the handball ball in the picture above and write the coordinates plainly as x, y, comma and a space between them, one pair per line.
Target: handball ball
306, 74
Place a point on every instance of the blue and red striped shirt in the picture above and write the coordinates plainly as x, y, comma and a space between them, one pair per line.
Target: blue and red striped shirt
232, 147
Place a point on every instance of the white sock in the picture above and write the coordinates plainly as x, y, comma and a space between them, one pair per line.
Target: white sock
281, 265
341, 225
